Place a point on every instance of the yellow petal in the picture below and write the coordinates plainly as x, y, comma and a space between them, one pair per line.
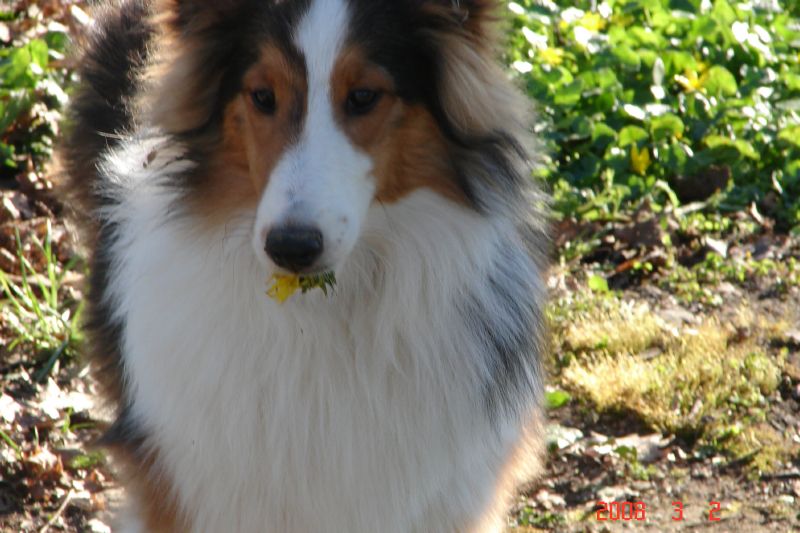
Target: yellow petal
282, 287
592, 22
640, 160
552, 56
691, 81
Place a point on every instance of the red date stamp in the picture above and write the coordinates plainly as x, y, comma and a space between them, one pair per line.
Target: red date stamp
637, 511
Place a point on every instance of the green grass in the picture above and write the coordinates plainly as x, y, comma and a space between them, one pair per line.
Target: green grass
699, 283
40, 320
10, 442
540, 520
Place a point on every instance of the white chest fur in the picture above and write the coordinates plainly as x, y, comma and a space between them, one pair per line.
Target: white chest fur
358, 412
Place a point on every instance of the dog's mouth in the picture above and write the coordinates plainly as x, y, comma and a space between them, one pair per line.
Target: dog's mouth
281, 287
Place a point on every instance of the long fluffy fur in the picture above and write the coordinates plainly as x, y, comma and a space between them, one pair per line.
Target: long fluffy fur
406, 401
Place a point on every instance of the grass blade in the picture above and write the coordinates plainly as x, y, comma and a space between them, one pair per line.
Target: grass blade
11, 443
44, 372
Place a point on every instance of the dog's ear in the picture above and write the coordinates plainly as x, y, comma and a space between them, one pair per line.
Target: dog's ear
194, 49
474, 16
191, 16
474, 91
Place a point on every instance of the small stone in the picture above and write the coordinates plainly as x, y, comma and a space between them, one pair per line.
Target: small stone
718, 247
549, 500
597, 438
648, 447
96, 526
792, 337
727, 288
82, 500
678, 316
80, 16
8, 408
562, 437
616, 494
600, 450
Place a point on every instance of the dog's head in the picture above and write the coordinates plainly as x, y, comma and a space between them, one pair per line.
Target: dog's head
307, 112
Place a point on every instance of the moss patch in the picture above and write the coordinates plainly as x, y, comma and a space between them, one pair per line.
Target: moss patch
709, 383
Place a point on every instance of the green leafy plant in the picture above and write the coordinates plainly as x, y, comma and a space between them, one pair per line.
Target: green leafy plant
557, 398
664, 100
31, 96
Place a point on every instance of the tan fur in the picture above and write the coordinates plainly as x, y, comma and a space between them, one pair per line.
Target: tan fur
477, 95
414, 156
176, 98
150, 492
474, 84
404, 141
524, 465
266, 137
353, 71
252, 142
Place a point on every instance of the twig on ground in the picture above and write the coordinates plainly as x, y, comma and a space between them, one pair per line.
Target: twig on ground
58, 512
781, 476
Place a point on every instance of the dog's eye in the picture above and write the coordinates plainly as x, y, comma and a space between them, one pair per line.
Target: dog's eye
361, 101
264, 99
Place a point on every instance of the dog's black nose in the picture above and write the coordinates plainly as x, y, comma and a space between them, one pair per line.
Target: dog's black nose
294, 247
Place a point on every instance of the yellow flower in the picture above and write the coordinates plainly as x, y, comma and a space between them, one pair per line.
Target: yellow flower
592, 22
691, 80
552, 56
640, 160
282, 287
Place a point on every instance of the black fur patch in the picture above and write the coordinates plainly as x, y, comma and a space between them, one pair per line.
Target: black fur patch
125, 433
100, 116
100, 112
512, 339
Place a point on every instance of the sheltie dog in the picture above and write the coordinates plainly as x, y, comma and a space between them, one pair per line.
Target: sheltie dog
216, 143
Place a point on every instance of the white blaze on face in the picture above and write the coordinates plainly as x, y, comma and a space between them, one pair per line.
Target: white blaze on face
322, 180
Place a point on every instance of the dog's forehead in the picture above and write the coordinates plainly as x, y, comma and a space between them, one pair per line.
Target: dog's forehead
312, 34
320, 37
